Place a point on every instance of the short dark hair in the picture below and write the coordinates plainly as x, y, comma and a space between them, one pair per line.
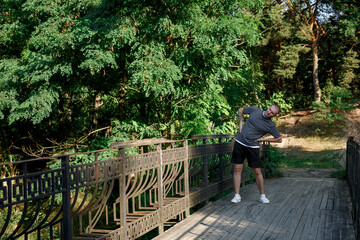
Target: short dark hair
278, 107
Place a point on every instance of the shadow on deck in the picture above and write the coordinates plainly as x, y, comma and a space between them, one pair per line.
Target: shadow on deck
300, 208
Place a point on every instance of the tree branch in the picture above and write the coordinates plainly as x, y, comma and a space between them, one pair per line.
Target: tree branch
38, 150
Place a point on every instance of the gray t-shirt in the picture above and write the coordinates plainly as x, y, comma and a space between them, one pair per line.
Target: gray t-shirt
256, 126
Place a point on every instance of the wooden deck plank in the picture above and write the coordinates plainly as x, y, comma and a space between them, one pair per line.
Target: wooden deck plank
320, 233
329, 224
336, 216
283, 194
301, 225
324, 201
292, 193
224, 221
205, 223
347, 228
274, 226
293, 223
306, 189
267, 217
314, 226
298, 202
250, 224
226, 229
253, 212
321, 194
193, 221
314, 194
300, 208
284, 227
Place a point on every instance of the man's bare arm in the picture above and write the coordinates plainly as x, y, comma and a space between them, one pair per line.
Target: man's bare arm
240, 115
275, 140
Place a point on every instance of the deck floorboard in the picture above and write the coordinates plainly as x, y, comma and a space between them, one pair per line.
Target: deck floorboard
300, 208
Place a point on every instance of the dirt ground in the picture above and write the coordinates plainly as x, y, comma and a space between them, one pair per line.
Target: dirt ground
303, 135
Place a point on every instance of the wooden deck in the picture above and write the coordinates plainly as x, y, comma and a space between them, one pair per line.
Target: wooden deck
300, 208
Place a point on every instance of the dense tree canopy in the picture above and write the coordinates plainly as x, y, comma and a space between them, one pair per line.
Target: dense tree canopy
76, 75
146, 68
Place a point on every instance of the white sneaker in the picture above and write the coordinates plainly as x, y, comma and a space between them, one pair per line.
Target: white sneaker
263, 199
236, 199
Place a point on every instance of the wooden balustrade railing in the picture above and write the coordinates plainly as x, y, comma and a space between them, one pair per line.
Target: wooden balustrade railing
118, 193
353, 179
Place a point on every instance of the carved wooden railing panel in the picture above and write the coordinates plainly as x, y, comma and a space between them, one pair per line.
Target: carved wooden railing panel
120, 193
353, 180
49, 199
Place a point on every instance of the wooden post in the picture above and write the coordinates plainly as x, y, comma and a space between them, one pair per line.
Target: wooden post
206, 180
123, 203
221, 169
356, 198
66, 199
265, 157
160, 189
355, 171
347, 161
186, 180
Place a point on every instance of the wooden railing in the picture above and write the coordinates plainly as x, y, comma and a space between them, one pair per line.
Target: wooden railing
353, 179
118, 193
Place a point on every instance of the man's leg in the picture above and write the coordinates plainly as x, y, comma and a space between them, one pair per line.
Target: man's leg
259, 179
237, 159
237, 177
260, 183
237, 181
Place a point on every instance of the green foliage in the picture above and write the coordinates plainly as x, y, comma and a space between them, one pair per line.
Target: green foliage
280, 52
163, 68
154, 73
289, 57
339, 174
252, 178
279, 99
271, 162
143, 69
299, 100
285, 56
16, 216
337, 100
347, 75
312, 160
349, 18
158, 68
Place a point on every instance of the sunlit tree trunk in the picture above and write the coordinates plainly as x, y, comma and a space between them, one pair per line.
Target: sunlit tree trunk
317, 90
304, 14
167, 119
122, 103
97, 104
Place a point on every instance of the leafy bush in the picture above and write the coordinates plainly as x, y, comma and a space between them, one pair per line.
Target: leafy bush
337, 100
252, 178
300, 101
271, 162
279, 99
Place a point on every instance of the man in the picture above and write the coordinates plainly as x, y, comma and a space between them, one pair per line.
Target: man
247, 145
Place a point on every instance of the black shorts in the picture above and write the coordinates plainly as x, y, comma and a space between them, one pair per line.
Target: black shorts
241, 152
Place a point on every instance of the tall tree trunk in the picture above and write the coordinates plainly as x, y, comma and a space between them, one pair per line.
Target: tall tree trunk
167, 119
307, 13
122, 103
97, 104
317, 90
